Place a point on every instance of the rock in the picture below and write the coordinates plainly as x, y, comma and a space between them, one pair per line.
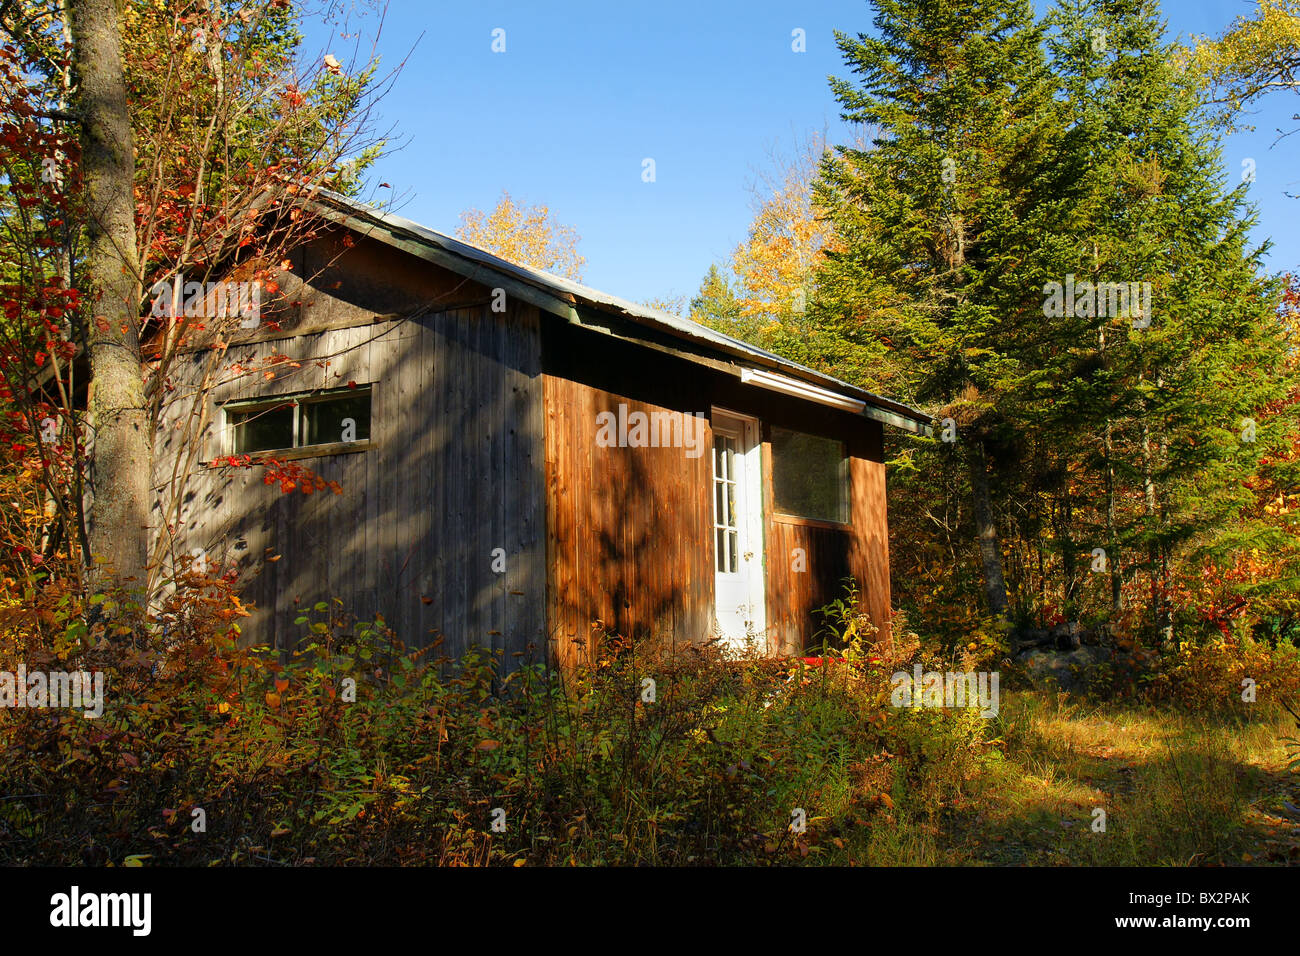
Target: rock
1024, 639
1069, 670
1065, 637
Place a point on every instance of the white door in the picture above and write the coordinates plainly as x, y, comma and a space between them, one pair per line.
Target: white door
737, 530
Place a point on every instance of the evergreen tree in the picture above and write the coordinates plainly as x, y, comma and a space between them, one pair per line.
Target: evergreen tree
932, 222
1168, 407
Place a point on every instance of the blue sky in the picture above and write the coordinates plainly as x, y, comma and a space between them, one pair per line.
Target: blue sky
585, 91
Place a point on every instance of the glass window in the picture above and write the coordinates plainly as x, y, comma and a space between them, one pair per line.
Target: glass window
300, 421
344, 417
260, 429
809, 476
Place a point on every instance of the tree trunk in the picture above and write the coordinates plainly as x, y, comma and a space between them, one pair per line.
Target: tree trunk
120, 456
1062, 518
995, 588
1160, 611
1112, 555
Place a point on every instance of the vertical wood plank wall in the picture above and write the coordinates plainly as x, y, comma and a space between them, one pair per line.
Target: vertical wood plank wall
829, 554
627, 529
454, 471
869, 550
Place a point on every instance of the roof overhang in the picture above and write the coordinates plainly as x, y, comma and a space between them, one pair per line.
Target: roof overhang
563, 297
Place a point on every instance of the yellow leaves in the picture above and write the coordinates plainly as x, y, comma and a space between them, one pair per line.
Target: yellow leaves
775, 263
1146, 177
526, 235
272, 699
1255, 55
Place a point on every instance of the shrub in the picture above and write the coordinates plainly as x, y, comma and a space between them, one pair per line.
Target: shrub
355, 749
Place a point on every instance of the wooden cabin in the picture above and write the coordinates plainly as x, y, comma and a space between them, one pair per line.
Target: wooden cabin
521, 456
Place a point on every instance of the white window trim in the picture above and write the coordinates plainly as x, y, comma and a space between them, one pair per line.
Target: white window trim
752, 435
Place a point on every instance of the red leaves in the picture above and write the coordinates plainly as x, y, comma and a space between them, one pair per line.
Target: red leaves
289, 476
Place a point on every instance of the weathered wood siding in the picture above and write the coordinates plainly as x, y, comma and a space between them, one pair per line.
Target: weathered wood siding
869, 552
627, 528
829, 553
629, 531
453, 471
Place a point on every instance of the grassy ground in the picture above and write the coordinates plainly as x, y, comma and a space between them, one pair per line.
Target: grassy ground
1176, 790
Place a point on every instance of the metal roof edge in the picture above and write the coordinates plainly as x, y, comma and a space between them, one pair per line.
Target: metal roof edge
558, 295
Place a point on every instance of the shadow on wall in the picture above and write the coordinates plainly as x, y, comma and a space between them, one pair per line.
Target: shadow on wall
440, 522
630, 528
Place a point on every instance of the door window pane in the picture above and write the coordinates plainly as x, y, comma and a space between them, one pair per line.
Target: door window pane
725, 518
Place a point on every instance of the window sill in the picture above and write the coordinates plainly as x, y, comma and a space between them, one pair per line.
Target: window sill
811, 522
296, 454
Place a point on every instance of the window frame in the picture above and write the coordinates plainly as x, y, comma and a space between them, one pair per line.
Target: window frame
298, 400
845, 484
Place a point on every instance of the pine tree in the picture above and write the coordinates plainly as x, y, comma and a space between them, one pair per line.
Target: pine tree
1174, 389
934, 220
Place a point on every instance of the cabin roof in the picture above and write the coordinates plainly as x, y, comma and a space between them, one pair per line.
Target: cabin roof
563, 297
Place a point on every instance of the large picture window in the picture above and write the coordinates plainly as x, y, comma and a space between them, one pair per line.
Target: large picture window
809, 476
308, 420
